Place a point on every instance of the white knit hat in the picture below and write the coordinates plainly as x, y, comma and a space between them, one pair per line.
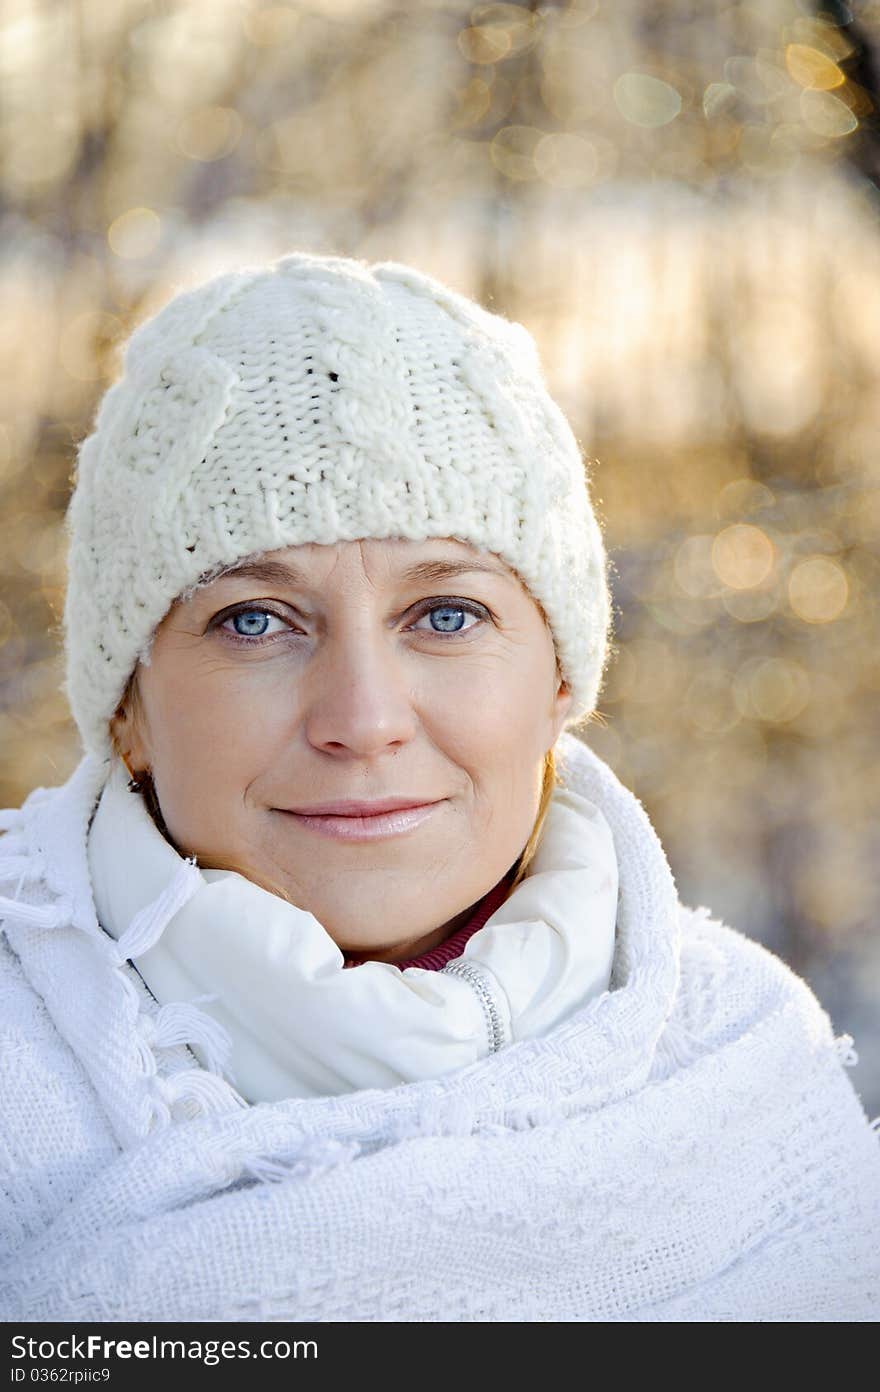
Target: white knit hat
321, 399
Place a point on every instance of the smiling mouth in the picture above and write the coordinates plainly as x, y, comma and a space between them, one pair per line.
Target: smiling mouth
367, 828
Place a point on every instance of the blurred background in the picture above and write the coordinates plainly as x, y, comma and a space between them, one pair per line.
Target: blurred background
680, 200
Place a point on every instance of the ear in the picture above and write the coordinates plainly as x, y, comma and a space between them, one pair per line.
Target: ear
127, 740
562, 705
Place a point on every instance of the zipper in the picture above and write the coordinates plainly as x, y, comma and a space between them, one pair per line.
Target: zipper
480, 980
141, 981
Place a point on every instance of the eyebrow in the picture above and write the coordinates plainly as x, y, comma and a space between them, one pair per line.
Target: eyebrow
286, 573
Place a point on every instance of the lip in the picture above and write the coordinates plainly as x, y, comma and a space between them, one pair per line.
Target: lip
357, 808
371, 828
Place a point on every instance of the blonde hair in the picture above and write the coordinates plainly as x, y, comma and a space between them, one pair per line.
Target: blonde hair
131, 702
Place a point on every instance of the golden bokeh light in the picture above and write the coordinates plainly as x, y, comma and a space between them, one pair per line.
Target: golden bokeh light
134, 234
566, 160
694, 569
474, 101
485, 43
719, 98
513, 151
743, 556
818, 590
774, 689
827, 115
644, 100
811, 68
521, 26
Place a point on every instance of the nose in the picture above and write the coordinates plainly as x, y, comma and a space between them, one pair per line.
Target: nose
359, 697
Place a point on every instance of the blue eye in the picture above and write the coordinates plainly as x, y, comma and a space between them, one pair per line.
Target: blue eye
448, 617
250, 623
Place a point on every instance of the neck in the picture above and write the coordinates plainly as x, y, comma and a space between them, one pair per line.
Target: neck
412, 947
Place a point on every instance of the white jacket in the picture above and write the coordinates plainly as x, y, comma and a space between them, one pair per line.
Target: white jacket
299, 1024
685, 1147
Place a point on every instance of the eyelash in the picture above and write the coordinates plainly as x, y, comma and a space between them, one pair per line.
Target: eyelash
467, 606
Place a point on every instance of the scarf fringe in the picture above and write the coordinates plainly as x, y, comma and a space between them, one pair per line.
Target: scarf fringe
148, 926
167, 1098
678, 1046
209, 1092
307, 1155
19, 864
36, 916
315, 1155
179, 1022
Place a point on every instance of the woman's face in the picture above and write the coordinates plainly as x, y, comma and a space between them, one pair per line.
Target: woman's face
335, 673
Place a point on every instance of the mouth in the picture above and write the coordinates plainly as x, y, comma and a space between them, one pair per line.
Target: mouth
367, 828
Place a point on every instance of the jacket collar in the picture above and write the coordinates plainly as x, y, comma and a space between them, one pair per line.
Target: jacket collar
273, 978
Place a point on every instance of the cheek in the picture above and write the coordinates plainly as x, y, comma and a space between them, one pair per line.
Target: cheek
497, 708
213, 738
495, 733
198, 711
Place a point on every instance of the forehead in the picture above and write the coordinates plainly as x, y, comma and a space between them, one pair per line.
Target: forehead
397, 559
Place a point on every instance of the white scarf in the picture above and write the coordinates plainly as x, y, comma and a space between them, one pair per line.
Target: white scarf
300, 1023
687, 1146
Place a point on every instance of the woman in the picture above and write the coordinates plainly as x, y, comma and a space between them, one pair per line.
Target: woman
453, 1049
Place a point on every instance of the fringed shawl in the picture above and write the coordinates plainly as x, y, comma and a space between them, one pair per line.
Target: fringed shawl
688, 1147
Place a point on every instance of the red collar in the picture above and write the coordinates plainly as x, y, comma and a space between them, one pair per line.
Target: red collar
453, 946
